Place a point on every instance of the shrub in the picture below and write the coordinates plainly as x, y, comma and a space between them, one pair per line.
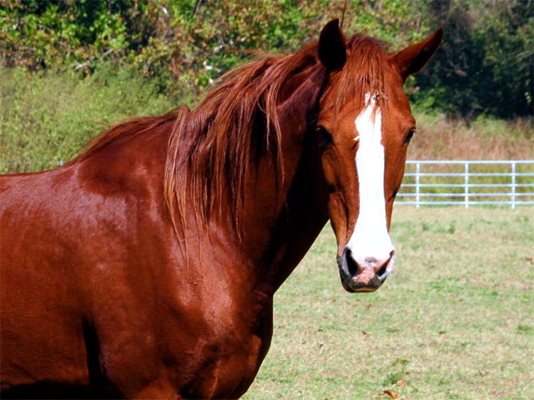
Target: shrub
46, 118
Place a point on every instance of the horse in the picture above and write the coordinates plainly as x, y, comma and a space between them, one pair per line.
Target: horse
146, 266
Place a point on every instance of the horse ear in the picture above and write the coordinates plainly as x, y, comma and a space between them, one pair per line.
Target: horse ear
332, 49
413, 58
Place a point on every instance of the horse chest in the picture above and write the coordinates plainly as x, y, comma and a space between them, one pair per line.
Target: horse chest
228, 344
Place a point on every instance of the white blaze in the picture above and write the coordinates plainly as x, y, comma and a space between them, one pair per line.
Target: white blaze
370, 243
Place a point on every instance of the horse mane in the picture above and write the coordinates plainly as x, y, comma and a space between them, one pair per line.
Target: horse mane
122, 131
210, 147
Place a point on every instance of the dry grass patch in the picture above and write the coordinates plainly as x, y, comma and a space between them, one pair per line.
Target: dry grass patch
439, 138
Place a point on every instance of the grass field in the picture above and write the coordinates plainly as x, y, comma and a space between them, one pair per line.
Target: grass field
455, 320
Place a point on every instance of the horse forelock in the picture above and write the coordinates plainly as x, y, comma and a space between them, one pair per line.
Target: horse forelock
363, 73
211, 148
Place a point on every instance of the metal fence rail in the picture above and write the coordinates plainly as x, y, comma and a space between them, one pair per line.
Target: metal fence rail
468, 183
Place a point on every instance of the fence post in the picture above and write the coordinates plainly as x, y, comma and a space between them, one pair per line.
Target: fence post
513, 184
417, 190
466, 183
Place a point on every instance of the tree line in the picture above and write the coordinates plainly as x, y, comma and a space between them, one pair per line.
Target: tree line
485, 66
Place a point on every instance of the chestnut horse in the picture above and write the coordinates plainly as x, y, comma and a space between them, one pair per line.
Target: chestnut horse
146, 267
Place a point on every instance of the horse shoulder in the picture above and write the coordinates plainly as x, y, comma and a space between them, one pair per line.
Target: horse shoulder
38, 295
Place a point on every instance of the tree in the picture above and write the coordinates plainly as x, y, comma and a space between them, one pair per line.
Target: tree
485, 65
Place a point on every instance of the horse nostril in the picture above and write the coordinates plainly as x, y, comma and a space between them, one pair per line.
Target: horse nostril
373, 263
350, 262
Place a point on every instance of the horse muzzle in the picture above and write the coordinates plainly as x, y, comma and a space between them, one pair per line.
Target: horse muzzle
357, 278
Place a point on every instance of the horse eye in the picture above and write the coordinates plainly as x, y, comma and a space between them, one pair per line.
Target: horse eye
409, 135
325, 136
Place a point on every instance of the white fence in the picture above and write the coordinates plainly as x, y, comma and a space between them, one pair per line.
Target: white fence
468, 183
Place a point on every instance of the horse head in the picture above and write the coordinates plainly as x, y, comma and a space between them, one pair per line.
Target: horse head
365, 125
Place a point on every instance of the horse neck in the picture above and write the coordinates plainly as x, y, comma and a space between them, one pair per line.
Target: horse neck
286, 213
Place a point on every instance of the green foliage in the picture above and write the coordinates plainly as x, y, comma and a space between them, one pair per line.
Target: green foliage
41, 34
486, 64
484, 67
45, 118
397, 22
178, 42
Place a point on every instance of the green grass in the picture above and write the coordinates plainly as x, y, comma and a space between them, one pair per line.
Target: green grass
455, 320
